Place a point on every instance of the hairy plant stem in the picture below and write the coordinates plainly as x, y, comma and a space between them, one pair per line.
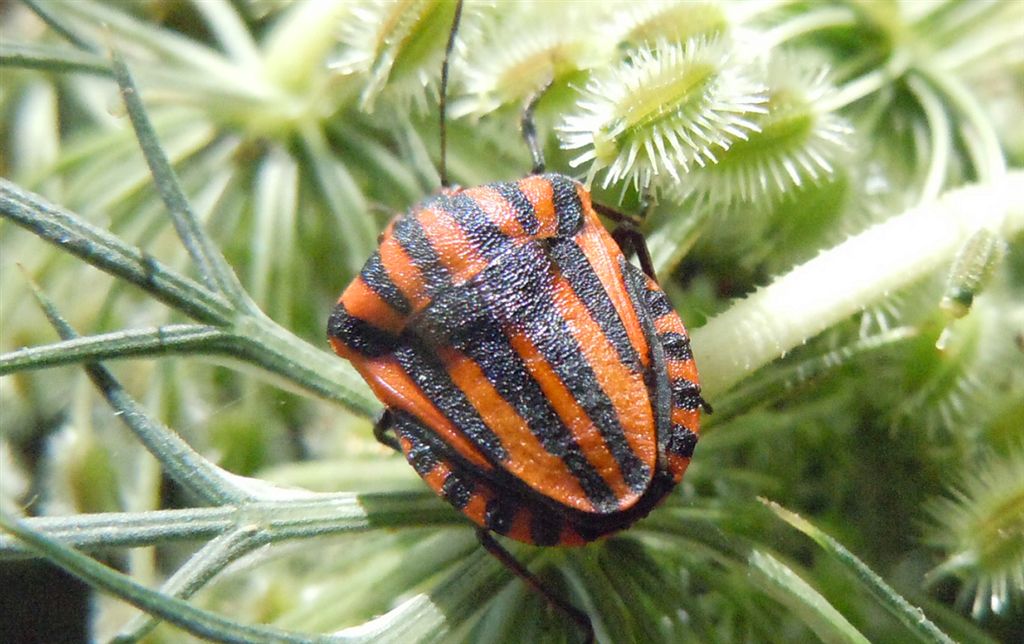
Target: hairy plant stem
297, 515
845, 279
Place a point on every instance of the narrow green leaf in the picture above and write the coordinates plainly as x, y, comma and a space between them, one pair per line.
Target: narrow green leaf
210, 262
815, 611
602, 598
33, 142
939, 154
976, 129
911, 616
388, 566
274, 224
377, 159
433, 616
278, 351
321, 514
231, 32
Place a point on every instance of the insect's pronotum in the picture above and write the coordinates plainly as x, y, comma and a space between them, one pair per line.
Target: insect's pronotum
532, 376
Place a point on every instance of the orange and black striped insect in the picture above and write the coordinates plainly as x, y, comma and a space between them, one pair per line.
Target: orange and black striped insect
533, 377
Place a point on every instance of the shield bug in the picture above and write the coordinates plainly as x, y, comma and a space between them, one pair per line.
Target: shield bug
532, 376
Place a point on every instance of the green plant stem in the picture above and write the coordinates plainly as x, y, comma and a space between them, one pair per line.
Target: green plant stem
247, 336
841, 281
298, 514
195, 573
176, 611
108, 253
154, 341
281, 353
62, 60
186, 466
126, 529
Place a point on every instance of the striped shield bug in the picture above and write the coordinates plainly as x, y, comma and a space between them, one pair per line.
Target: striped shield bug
532, 376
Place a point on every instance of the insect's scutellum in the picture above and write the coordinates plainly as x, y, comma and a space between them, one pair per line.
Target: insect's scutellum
534, 378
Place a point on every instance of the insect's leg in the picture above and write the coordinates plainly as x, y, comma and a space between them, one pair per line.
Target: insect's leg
510, 562
706, 406
383, 431
629, 238
529, 129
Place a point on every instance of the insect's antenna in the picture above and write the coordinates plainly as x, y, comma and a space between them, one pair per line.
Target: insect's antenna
529, 128
444, 93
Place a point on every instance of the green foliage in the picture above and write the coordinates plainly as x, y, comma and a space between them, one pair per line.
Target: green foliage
833, 200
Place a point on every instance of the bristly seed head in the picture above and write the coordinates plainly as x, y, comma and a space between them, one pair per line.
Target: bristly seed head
981, 528
647, 21
795, 143
515, 56
399, 47
664, 109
